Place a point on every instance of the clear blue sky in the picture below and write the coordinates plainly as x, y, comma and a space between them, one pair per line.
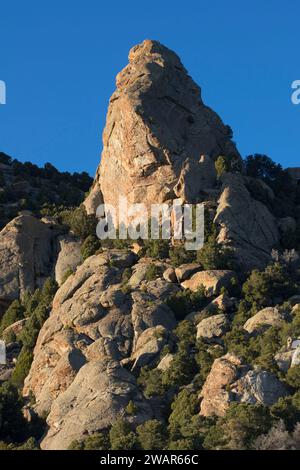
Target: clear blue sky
59, 60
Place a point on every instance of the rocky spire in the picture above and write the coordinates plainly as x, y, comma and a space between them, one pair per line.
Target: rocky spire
157, 125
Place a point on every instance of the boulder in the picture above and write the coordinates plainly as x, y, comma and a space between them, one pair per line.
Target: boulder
265, 318
229, 381
169, 275
213, 327
212, 280
283, 360
222, 303
165, 362
148, 312
258, 387
215, 393
138, 275
94, 199
148, 346
68, 258
185, 271
296, 357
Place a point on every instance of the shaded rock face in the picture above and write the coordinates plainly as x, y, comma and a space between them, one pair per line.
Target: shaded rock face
265, 318
213, 327
69, 256
245, 224
230, 381
157, 132
149, 345
258, 387
97, 396
27, 253
96, 327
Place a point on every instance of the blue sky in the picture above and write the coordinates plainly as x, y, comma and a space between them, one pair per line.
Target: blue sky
59, 60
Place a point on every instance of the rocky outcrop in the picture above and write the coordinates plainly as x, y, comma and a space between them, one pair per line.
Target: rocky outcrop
265, 318
212, 280
149, 345
229, 381
185, 271
288, 356
97, 325
96, 398
258, 387
169, 275
215, 393
27, 254
157, 130
195, 177
245, 224
213, 327
69, 257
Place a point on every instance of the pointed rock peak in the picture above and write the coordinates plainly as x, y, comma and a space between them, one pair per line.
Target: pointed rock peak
157, 129
153, 59
150, 50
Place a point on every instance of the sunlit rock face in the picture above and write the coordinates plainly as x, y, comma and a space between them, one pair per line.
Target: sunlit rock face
157, 130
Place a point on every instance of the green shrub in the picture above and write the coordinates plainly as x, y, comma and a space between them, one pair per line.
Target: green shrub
81, 224
215, 256
67, 274
179, 255
131, 409
97, 441
288, 409
182, 370
151, 382
293, 377
205, 357
152, 435
126, 275
12, 422
121, 436
239, 428
90, 246
9, 337
221, 166
185, 406
158, 249
29, 334
183, 366
152, 272
228, 163
184, 302
14, 313
22, 368
268, 287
